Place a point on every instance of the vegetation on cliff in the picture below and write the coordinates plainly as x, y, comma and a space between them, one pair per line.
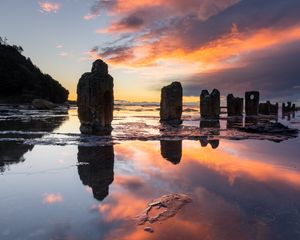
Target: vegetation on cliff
21, 81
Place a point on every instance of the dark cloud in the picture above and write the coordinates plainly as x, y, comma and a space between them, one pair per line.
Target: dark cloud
194, 24
275, 72
101, 5
192, 31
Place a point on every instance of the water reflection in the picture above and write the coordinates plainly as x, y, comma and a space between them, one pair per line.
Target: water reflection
14, 131
96, 169
213, 143
12, 153
171, 150
234, 122
212, 129
288, 115
236, 192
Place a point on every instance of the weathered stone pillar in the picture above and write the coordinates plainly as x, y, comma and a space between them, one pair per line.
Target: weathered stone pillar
252, 101
95, 100
171, 103
289, 106
171, 150
210, 104
235, 105
274, 109
268, 108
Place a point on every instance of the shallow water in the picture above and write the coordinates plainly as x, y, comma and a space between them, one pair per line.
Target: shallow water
58, 184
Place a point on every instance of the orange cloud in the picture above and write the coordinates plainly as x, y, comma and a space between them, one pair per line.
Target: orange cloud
49, 6
210, 56
52, 198
204, 8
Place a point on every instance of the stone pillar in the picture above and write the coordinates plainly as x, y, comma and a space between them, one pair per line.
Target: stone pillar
171, 150
235, 105
289, 106
252, 102
210, 104
98, 173
274, 109
171, 103
95, 100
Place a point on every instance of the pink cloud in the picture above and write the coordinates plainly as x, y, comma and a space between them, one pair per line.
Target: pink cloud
49, 6
52, 198
89, 16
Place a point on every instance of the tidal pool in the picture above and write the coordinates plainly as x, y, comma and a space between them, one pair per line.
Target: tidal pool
58, 184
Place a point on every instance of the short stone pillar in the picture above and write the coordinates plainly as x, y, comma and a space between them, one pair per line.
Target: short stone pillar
210, 104
235, 105
268, 108
252, 102
171, 150
95, 100
171, 103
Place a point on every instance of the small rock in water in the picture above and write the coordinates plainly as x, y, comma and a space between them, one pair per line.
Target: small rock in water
171, 204
148, 229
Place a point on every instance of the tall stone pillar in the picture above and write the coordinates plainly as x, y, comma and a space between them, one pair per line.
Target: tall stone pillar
252, 102
95, 100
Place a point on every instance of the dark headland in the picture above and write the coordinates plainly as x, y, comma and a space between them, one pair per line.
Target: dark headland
22, 82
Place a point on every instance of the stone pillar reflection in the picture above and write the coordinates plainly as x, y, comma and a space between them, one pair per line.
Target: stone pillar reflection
96, 169
171, 150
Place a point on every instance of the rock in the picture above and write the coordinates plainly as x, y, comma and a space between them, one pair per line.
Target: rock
170, 204
171, 150
95, 100
210, 104
235, 105
268, 108
43, 104
148, 229
289, 107
171, 103
270, 128
252, 102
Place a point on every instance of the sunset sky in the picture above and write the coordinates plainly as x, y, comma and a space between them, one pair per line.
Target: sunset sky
232, 45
